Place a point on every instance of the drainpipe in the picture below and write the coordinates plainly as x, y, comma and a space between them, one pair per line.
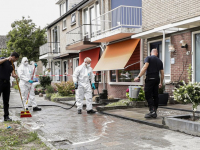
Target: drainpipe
163, 48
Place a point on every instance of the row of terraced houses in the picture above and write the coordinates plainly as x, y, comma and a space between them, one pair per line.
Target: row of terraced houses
118, 34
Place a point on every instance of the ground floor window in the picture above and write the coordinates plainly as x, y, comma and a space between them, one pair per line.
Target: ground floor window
75, 63
197, 54
57, 70
127, 75
98, 76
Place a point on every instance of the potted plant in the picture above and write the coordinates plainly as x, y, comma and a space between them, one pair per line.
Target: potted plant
137, 102
163, 96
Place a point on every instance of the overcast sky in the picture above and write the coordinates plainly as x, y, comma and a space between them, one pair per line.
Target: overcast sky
42, 12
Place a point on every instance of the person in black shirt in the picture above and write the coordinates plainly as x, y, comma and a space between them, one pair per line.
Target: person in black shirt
153, 65
6, 70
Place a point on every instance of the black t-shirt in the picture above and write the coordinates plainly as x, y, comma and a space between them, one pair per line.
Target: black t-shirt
5, 69
155, 65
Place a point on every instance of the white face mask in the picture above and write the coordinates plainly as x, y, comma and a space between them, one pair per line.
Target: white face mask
26, 63
88, 65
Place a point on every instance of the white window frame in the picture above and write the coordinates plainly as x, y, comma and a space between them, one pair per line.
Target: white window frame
193, 56
64, 9
101, 76
74, 60
64, 27
54, 71
95, 10
163, 57
73, 23
63, 72
130, 83
52, 38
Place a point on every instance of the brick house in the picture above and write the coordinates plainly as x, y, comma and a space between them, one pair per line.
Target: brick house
168, 26
100, 26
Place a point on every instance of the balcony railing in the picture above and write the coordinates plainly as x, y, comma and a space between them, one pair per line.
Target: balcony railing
120, 17
50, 47
79, 34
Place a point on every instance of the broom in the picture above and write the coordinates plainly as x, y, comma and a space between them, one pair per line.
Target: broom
24, 113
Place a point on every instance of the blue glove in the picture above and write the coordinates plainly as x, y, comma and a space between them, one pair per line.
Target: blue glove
35, 65
76, 85
93, 86
30, 81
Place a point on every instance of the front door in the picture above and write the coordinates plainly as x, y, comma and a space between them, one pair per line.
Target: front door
197, 60
65, 70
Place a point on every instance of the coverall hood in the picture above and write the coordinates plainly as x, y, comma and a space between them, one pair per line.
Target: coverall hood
23, 61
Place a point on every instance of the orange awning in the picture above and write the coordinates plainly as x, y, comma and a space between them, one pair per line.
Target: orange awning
117, 56
93, 54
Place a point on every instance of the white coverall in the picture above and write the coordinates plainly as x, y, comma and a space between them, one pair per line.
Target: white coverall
25, 73
82, 76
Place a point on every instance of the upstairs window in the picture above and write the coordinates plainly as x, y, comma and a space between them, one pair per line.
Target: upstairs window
73, 18
64, 24
63, 8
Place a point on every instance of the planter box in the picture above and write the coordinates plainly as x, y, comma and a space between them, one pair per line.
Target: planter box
182, 125
163, 99
46, 98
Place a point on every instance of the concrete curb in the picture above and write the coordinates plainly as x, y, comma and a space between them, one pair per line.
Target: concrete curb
177, 109
136, 120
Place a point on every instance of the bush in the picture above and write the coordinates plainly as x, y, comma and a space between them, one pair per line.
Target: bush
188, 93
119, 103
141, 96
16, 87
38, 86
48, 95
50, 89
45, 81
65, 88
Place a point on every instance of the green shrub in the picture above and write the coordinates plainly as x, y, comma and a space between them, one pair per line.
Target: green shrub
16, 87
65, 88
188, 93
124, 102
48, 95
45, 81
38, 86
141, 96
50, 89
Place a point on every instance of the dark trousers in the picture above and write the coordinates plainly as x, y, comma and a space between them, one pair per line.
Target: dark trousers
5, 90
151, 91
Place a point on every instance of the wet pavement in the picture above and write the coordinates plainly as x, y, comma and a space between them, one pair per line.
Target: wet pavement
65, 129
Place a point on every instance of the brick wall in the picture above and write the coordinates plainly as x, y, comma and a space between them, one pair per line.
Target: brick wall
180, 56
157, 13
116, 91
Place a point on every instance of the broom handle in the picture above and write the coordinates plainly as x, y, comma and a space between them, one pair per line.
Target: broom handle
17, 84
30, 87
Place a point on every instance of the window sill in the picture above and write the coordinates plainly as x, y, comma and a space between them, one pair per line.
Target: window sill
64, 29
73, 23
125, 83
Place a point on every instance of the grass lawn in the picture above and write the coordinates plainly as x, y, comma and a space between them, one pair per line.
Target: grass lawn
18, 138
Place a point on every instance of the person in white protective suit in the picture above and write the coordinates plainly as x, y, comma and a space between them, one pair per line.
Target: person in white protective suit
25, 72
82, 76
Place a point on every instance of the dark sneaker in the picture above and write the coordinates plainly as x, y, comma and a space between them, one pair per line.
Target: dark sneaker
79, 111
36, 109
7, 118
152, 114
91, 111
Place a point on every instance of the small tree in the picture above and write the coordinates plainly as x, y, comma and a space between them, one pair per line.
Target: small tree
25, 39
188, 93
